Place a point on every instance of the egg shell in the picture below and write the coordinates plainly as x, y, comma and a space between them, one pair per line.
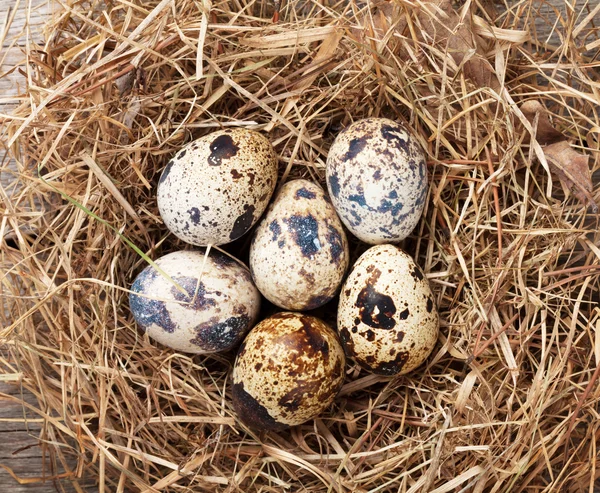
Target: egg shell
288, 370
377, 179
299, 252
217, 187
218, 308
387, 317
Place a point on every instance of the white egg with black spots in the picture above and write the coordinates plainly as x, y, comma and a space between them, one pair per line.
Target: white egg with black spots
287, 371
377, 179
206, 306
299, 252
215, 189
387, 318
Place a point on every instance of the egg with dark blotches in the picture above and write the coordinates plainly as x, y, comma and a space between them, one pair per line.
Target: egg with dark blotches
216, 188
377, 179
207, 305
299, 252
288, 370
387, 317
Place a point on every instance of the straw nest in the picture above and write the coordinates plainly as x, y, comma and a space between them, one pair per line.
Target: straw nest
509, 399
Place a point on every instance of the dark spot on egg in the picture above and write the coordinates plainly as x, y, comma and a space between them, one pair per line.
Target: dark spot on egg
334, 238
377, 175
334, 184
305, 231
235, 174
146, 311
388, 206
281, 243
223, 147
387, 233
403, 315
393, 194
355, 147
400, 336
251, 412
429, 305
222, 260
357, 218
220, 336
309, 277
197, 297
417, 273
393, 135
275, 229
242, 223
194, 214
354, 330
356, 321
257, 366
391, 367
358, 198
376, 309
369, 335
303, 193
166, 171
182, 154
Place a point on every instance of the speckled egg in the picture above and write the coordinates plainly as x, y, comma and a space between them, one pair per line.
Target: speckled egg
209, 309
217, 187
299, 252
387, 318
288, 370
377, 179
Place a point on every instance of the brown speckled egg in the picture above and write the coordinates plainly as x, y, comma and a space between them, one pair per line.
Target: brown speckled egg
377, 179
217, 187
216, 306
299, 252
387, 318
288, 370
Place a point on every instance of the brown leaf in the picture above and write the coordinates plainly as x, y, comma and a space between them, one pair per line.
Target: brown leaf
571, 167
572, 170
445, 27
545, 133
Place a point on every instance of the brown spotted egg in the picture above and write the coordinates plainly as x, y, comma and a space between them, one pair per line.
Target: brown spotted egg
299, 252
217, 187
377, 179
288, 370
206, 307
387, 318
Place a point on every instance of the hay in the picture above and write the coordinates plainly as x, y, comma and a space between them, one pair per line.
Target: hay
508, 401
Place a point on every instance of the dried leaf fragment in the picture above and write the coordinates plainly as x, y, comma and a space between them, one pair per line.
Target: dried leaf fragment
571, 167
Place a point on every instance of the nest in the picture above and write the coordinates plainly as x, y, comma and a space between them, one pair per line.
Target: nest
508, 400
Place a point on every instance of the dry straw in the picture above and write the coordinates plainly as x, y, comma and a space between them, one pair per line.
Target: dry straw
508, 401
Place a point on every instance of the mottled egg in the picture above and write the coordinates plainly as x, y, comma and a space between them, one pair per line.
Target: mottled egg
377, 179
217, 187
299, 252
288, 370
206, 307
387, 318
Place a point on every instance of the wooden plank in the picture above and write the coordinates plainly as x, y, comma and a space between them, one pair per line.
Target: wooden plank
20, 451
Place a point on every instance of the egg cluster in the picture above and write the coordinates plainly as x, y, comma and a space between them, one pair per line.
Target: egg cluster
290, 366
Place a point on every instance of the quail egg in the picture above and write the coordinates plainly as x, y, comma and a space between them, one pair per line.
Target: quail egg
216, 188
299, 252
377, 179
288, 370
387, 318
206, 307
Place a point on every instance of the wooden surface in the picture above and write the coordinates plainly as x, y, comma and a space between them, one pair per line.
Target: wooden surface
19, 429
